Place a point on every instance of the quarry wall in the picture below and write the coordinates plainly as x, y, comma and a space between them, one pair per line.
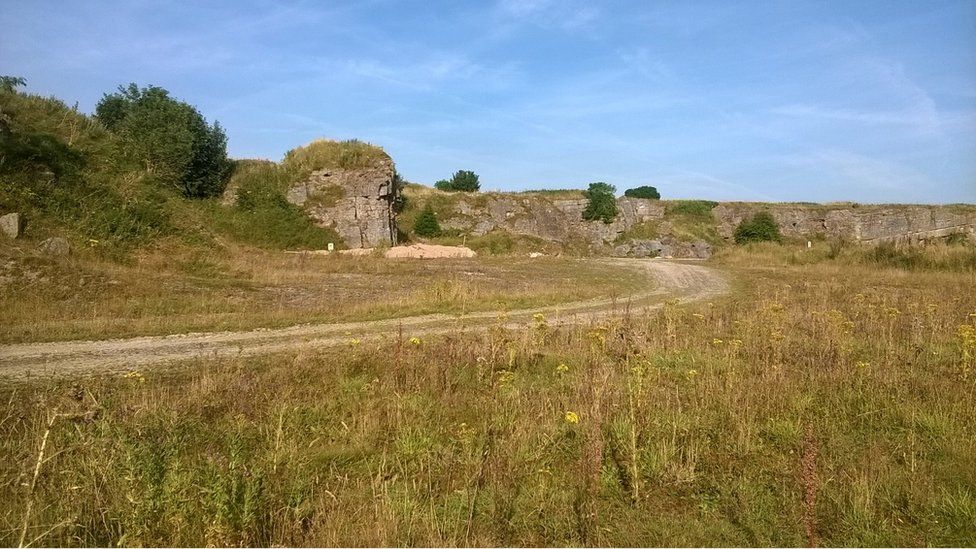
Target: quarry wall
558, 218
357, 203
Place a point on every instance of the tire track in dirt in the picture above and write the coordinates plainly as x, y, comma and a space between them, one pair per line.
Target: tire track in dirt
683, 281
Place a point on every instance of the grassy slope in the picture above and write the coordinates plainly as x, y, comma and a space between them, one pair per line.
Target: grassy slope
70, 180
829, 400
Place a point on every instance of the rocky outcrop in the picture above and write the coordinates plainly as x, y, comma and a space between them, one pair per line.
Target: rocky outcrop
356, 202
549, 218
864, 223
11, 224
55, 246
667, 246
558, 217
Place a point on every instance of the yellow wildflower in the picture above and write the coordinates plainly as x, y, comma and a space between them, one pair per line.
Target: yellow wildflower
505, 377
562, 368
572, 417
415, 341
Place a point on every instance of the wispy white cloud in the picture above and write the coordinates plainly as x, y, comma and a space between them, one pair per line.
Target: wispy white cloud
568, 15
433, 71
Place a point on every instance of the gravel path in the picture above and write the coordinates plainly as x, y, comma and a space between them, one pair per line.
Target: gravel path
684, 281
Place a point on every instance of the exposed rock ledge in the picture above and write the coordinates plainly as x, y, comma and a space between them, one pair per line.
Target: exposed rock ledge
357, 203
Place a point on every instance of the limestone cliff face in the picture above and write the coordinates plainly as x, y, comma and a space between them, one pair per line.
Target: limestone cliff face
559, 218
356, 202
865, 223
549, 218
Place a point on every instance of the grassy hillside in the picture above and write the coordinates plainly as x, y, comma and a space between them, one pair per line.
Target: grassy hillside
64, 172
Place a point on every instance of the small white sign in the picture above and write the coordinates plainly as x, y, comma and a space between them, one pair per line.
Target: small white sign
331, 247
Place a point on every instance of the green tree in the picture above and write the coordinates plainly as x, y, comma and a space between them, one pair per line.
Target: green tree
462, 180
601, 203
759, 228
644, 191
426, 224
168, 138
10, 83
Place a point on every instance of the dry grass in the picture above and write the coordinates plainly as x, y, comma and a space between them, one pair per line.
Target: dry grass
828, 402
178, 290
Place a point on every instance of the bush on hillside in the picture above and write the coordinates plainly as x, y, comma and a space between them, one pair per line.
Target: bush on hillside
167, 138
644, 191
426, 224
461, 181
759, 228
601, 203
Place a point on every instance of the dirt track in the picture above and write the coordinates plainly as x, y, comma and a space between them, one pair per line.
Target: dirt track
685, 281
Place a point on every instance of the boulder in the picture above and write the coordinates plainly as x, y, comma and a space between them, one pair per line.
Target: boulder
11, 224
55, 246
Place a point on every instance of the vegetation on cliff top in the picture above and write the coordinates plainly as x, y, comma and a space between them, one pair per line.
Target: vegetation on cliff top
461, 181
644, 191
323, 154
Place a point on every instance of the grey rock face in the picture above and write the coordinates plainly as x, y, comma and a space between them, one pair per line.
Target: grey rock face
553, 219
854, 222
666, 246
357, 203
55, 246
11, 224
560, 220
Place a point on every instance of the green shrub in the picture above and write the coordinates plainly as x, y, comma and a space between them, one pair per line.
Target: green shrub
601, 203
759, 228
170, 139
644, 191
461, 181
426, 224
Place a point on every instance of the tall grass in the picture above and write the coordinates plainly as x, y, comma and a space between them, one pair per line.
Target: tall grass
325, 153
957, 257
816, 405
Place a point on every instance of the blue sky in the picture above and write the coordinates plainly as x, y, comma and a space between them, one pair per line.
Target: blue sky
813, 101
